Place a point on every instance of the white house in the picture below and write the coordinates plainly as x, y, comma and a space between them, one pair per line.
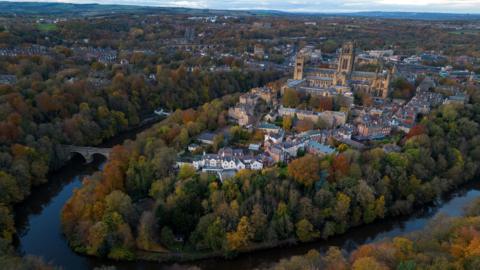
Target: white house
274, 138
256, 165
217, 162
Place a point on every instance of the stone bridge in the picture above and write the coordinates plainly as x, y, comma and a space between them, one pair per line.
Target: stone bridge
86, 152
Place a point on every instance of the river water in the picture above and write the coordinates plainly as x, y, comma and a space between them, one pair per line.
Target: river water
38, 225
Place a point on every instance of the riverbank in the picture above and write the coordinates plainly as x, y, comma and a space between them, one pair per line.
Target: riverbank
293, 242
41, 224
193, 204
57, 176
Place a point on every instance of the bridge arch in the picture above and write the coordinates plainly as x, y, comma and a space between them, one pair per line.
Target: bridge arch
87, 153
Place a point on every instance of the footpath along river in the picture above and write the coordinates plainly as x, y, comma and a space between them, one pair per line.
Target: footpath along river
38, 225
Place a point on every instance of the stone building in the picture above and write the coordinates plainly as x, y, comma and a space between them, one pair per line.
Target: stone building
298, 72
244, 111
375, 83
373, 130
259, 51
331, 118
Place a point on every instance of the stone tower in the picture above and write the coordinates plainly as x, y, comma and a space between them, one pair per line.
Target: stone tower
299, 63
347, 58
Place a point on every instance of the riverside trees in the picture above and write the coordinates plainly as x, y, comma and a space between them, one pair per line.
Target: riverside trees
314, 197
447, 243
59, 99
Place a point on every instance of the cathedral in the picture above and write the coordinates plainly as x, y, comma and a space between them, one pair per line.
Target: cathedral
324, 81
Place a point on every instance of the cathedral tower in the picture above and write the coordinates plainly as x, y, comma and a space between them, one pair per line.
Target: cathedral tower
299, 63
347, 58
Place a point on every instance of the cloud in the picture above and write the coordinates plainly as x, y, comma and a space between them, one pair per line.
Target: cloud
458, 6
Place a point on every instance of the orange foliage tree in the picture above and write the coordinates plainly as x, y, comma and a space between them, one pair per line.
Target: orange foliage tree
305, 170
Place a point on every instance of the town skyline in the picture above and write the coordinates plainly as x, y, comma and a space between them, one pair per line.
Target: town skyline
328, 6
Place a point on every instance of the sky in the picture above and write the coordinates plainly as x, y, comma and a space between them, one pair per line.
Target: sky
449, 6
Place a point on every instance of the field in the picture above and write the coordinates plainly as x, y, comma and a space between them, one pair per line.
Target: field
46, 27
466, 32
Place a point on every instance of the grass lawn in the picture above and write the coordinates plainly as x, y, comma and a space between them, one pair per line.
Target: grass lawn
466, 32
46, 27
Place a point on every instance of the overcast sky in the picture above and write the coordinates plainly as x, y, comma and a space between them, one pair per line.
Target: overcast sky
452, 6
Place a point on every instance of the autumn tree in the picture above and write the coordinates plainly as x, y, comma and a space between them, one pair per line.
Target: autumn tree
259, 221
241, 237
305, 170
287, 123
368, 263
304, 125
290, 98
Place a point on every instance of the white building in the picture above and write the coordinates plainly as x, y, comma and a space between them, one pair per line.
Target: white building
226, 161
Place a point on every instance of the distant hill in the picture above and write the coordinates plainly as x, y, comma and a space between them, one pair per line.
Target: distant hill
36, 8
415, 15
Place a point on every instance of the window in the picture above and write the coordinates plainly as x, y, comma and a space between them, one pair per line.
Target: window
344, 63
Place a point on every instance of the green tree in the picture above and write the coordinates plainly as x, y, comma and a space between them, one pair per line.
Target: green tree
7, 228
166, 237
146, 233
186, 171
305, 231
119, 202
9, 191
281, 222
140, 176
215, 236
342, 208
259, 222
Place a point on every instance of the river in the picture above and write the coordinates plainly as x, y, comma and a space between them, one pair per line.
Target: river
39, 230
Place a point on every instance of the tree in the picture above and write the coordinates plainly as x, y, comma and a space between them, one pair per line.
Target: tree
186, 171
287, 123
334, 259
9, 191
380, 207
182, 139
119, 202
218, 142
97, 235
140, 176
415, 131
7, 228
304, 125
305, 231
146, 233
368, 263
166, 237
215, 235
188, 116
241, 237
340, 166
402, 89
290, 98
259, 222
305, 170
404, 248
342, 208
366, 199
281, 222
325, 104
